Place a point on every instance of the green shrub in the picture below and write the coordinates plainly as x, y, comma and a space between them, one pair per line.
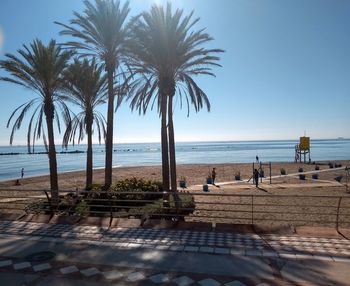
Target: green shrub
156, 210
68, 203
128, 197
123, 196
82, 208
137, 197
134, 189
37, 207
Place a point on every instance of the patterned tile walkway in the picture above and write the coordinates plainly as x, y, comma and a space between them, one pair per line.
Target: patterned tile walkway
248, 244
113, 274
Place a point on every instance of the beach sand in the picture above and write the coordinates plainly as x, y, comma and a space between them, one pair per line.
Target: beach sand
195, 174
281, 202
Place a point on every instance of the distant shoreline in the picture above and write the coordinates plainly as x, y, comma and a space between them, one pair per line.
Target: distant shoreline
40, 153
205, 141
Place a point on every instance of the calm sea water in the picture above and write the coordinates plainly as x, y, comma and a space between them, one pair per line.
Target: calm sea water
149, 154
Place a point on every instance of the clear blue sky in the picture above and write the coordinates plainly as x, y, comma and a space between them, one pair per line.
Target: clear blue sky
286, 69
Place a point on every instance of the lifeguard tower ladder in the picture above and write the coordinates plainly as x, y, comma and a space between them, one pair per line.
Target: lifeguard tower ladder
303, 148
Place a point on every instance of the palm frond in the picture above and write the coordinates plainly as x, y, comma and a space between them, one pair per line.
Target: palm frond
167, 52
39, 68
101, 30
85, 85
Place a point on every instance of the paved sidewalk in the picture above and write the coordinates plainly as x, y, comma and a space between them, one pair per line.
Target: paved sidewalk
89, 255
247, 244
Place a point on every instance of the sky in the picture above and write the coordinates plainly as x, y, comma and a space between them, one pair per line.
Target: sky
285, 71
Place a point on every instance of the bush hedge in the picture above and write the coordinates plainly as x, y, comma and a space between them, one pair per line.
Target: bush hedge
129, 197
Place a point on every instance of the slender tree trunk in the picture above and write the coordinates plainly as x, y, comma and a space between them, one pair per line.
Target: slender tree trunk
109, 133
52, 155
172, 155
164, 143
89, 162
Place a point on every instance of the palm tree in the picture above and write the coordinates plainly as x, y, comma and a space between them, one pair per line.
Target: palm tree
40, 69
86, 87
103, 33
167, 54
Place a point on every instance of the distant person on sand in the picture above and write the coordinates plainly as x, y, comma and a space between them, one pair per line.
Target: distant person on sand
257, 158
256, 177
22, 173
213, 175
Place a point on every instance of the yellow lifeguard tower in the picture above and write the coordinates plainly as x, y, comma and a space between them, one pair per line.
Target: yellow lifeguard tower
303, 148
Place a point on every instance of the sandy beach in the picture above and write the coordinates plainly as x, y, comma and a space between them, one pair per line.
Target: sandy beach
195, 174
309, 201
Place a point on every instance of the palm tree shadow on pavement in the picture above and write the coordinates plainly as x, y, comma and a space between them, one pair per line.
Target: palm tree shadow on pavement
197, 266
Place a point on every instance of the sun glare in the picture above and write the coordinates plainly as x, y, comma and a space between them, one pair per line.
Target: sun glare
164, 2
158, 2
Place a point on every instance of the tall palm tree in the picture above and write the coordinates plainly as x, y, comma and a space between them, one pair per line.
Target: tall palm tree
86, 88
103, 33
167, 54
40, 69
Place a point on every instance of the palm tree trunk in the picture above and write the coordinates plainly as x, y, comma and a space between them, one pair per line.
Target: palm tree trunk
109, 133
52, 156
164, 143
172, 145
172, 156
89, 162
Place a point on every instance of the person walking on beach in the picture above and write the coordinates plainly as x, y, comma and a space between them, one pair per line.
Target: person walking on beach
256, 177
22, 173
257, 158
213, 175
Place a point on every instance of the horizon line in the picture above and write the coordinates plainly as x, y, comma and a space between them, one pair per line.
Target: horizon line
189, 141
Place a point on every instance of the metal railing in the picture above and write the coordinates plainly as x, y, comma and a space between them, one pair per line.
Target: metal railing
195, 206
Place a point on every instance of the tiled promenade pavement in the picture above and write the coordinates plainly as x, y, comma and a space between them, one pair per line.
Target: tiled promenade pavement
248, 244
103, 274
276, 256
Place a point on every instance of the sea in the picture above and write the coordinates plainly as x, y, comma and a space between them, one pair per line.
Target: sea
14, 158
